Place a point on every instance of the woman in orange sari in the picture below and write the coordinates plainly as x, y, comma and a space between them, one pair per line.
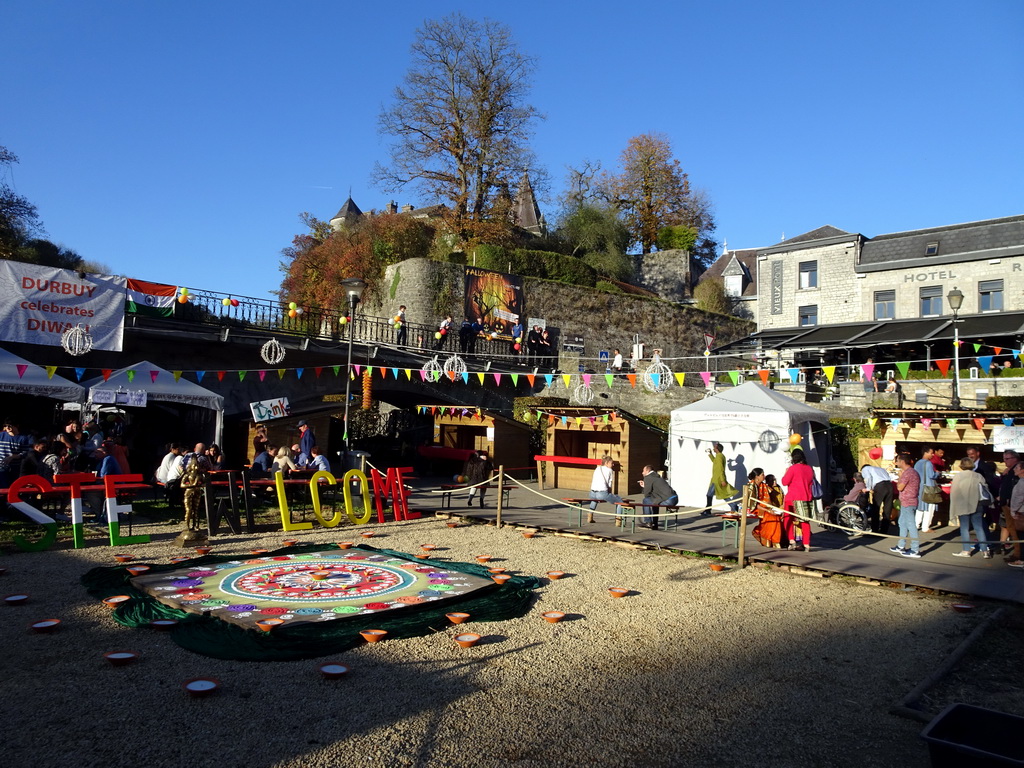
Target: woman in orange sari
768, 532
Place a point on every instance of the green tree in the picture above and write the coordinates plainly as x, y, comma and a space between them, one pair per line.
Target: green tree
19, 219
710, 296
460, 121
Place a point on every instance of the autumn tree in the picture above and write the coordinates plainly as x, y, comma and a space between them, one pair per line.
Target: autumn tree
709, 295
460, 121
19, 219
653, 192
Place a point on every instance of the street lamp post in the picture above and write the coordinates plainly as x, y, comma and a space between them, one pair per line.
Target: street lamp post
354, 287
956, 300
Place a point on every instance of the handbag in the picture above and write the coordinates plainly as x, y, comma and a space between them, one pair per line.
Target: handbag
931, 495
816, 492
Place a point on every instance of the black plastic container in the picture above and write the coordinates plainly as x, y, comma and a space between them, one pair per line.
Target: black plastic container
962, 735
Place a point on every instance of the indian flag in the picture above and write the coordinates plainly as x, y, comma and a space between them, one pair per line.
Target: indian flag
154, 299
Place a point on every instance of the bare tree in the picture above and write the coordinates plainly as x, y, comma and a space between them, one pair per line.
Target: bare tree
460, 120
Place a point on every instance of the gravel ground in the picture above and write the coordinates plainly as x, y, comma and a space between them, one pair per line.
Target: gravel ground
693, 668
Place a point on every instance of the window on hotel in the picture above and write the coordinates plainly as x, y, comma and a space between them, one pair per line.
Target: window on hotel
931, 301
885, 305
808, 274
808, 315
990, 295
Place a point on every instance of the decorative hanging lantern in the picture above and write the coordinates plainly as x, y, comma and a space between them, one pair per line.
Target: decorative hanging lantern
272, 352
583, 394
367, 390
76, 341
454, 366
432, 370
657, 377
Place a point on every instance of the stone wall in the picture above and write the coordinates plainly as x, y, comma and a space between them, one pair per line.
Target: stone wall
666, 273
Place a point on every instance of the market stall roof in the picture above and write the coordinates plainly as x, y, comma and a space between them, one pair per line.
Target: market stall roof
158, 385
22, 377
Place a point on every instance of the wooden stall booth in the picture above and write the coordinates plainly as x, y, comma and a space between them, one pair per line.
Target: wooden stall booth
458, 431
592, 433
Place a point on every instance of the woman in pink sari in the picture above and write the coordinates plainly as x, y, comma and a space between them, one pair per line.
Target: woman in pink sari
799, 499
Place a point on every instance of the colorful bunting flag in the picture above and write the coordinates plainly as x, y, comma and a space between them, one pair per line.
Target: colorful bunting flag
734, 377
220, 376
176, 374
943, 366
830, 372
705, 376
548, 378
985, 363
317, 370
632, 379
531, 378
950, 423
872, 423
681, 378
903, 368
515, 379
261, 374
337, 369
793, 373
764, 373
80, 372
281, 372
1007, 421
867, 371
50, 370
106, 374
978, 423
299, 372
497, 379
480, 376
21, 369
610, 379
130, 373
199, 375
465, 377
977, 348
153, 375
241, 375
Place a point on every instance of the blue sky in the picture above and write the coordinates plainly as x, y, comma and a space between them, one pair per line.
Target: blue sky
179, 142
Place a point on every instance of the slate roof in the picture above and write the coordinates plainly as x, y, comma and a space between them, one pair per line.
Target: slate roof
953, 240
729, 261
348, 213
820, 233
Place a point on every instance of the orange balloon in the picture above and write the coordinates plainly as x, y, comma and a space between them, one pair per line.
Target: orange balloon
292, 313
183, 299
795, 439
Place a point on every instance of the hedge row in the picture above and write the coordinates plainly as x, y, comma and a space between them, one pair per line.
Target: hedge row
543, 264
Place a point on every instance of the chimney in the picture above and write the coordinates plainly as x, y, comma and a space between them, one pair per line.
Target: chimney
407, 208
392, 207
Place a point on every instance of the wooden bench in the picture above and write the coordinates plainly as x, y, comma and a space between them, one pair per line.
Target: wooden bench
579, 502
672, 508
450, 488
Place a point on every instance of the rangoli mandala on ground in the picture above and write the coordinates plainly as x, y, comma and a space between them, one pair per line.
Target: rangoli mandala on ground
314, 587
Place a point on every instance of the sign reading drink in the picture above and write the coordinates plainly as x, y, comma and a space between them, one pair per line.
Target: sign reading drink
37, 304
265, 410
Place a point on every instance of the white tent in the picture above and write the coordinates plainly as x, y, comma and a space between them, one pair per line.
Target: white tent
24, 378
753, 424
158, 385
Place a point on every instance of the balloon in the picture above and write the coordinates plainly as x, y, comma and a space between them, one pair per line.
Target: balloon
226, 302
795, 439
292, 305
519, 339
463, 478
437, 335
234, 302
875, 453
516, 347
184, 291
398, 318
397, 326
298, 310
183, 299
494, 334
443, 331
342, 320
292, 313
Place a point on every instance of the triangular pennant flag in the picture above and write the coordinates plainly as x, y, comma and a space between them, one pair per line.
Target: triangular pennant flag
1007, 421
383, 372
357, 367
241, 375
262, 375
734, 377
106, 374
317, 370
567, 379
465, 377
830, 372
943, 366
903, 368
395, 372
280, 372
586, 379
80, 372
764, 373
408, 374
950, 423
977, 348
681, 378
925, 423
21, 369
433, 410
978, 423
480, 376
423, 375
632, 379
337, 369
199, 376
705, 376
551, 419
129, 373
531, 378
436, 375
605, 419
867, 371
985, 363
612, 414
565, 420
369, 370
220, 376
592, 420
1016, 354
998, 350
497, 379
656, 380
515, 379
793, 373
299, 372
610, 378
872, 423
895, 422
50, 370
451, 375
579, 420
548, 378
176, 374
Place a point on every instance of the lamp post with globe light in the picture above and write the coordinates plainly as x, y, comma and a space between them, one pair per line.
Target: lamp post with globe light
956, 300
354, 287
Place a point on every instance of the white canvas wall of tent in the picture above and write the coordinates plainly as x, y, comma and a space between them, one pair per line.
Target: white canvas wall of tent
753, 424
19, 376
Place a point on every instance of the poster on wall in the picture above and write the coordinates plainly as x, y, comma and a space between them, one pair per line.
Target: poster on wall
495, 297
37, 304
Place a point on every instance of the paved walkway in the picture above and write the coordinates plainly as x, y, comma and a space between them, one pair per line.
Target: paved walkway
833, 551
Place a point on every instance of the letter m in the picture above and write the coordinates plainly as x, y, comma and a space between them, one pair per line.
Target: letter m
391, 487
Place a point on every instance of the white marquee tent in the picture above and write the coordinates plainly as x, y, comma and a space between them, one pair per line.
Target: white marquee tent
21, 377
159, 385
753, 424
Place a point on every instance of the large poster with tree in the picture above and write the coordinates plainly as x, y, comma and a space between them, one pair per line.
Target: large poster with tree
495, 297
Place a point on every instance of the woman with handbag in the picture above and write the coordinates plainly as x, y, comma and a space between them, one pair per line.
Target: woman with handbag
929, 496
966, 502
799, 498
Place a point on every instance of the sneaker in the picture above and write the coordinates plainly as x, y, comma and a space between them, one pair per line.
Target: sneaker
963, 553
987, 555
911, 554
896, 550
1016, 564
925, 530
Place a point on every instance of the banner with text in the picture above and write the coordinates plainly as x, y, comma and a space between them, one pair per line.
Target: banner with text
37, 304
495, 297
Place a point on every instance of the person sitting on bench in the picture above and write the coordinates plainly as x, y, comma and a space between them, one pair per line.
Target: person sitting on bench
601, 486
656, 492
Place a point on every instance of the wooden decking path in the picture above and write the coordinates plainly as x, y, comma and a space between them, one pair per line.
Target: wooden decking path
866, 557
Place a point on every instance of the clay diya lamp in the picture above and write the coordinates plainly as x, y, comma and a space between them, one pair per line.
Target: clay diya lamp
333, 671
422, 555
555, 575
618, 591
137, 570
163, 625
16, 599
428, 547
124, 558
717, 567
373, 635
290, 542
204, 550
500, 578
529, 534
553, 617
457, 618
367, 534
467, 639
201, 686
483, 558
344, 544
44, 626
962, 607
258, 551
115, 600
120, 658
320, 575
176, 560
495, 570
268, 624
452, 525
